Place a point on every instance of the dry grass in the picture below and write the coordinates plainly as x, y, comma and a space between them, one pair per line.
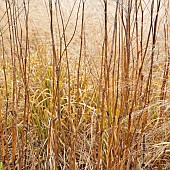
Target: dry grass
94, 94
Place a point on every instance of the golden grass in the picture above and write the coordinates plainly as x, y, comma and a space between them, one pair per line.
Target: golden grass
88, 96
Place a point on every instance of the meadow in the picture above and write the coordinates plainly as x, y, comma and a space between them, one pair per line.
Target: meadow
84, 85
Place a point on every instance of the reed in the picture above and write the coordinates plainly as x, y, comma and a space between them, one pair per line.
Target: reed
94, 94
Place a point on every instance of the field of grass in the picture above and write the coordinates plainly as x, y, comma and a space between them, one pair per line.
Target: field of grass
92, 92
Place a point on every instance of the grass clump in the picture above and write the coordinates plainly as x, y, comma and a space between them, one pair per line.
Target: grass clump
92, 95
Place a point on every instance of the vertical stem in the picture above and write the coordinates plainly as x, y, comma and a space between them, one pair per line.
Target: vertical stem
105, 89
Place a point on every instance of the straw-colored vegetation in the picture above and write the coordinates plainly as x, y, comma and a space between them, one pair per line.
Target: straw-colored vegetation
94, 94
